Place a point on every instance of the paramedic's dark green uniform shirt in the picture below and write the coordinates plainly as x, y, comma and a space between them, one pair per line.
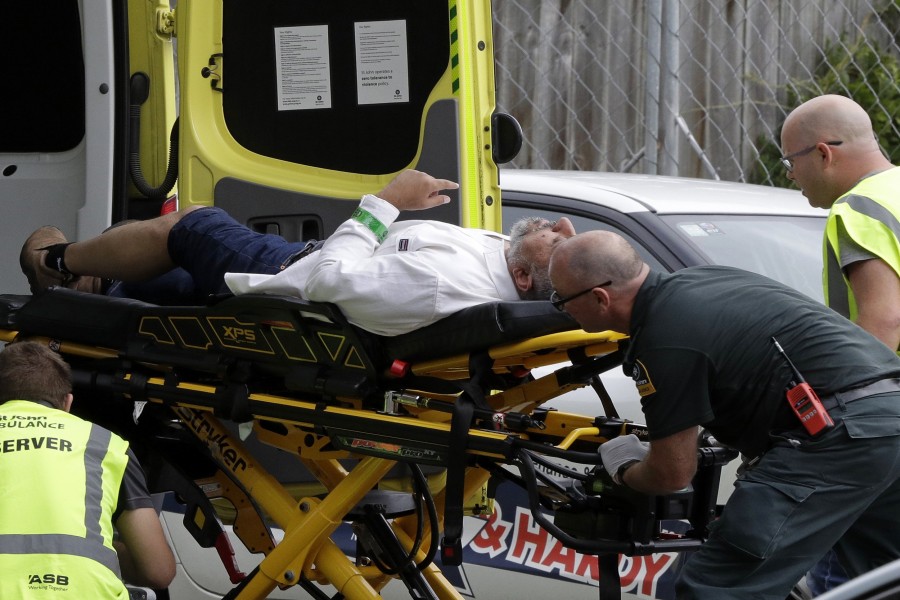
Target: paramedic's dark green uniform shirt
701, 353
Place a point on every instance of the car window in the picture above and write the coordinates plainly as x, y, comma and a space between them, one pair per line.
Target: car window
511, 214
785, 248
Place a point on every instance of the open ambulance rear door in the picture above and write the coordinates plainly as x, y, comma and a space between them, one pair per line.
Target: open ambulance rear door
291, 111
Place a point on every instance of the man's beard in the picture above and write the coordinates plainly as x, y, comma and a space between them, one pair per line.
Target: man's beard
541, 288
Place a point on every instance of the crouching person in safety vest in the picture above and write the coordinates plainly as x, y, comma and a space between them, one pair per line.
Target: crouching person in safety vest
67, 484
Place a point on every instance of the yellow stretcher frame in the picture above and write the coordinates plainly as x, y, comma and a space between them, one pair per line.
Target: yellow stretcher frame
309, 521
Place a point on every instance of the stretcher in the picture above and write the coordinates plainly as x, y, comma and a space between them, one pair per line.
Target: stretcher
454, 405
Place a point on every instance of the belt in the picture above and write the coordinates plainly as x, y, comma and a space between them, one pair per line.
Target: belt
882, 386
311, 246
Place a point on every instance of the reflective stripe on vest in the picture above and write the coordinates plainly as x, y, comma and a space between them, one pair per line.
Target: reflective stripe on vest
871, 224
100, 444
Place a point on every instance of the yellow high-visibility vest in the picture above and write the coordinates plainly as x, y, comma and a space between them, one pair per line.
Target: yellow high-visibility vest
61, 477
870, 214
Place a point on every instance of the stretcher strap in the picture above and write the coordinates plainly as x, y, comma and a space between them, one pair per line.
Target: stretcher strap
451, 544
480, 368
578, 356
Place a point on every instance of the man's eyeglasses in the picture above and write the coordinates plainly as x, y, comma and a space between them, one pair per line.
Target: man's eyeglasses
788, 161
558, 303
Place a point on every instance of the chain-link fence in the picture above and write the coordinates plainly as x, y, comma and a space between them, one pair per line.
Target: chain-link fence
694, 88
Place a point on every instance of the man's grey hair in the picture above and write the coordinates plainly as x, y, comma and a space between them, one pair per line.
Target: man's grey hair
540, 277
517, 233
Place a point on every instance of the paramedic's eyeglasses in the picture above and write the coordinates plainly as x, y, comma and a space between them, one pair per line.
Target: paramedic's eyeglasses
558, 303
788, 161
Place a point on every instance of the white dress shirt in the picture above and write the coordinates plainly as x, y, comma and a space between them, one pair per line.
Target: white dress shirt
422, 272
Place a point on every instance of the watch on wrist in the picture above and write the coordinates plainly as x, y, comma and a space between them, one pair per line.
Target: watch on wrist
619, 477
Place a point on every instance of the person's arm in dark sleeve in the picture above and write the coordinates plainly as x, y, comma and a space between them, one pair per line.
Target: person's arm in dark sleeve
144, 554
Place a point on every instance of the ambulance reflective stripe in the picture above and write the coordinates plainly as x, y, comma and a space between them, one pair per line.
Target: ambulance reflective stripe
92, 492
871, 224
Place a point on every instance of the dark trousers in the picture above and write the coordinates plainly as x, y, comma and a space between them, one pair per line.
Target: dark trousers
839, 490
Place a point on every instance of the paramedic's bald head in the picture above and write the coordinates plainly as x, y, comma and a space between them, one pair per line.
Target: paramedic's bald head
830, 117
606, 261
830, 145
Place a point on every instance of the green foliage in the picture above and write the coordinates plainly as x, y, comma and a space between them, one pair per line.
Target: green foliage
860, 70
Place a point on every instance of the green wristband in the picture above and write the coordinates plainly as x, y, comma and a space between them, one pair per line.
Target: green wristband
373, 224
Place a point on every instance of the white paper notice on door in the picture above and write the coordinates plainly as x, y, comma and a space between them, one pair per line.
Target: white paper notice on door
303, 67
382, 67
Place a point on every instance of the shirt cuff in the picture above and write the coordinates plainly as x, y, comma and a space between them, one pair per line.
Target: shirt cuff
382, 210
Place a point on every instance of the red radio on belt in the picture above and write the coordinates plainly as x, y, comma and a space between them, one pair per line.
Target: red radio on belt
804, 401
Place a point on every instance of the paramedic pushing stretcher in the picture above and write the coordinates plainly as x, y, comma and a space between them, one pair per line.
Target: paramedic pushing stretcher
386, 277
702, 353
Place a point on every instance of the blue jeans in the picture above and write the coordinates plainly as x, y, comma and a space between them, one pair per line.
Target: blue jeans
826, 575
205, 244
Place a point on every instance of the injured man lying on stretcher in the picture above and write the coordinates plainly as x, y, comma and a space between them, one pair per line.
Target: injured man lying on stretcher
386, 277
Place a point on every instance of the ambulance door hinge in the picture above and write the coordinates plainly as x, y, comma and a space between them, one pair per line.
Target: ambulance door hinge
165, 22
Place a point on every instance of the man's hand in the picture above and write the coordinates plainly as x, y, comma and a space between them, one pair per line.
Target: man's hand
415, 190
621, 451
